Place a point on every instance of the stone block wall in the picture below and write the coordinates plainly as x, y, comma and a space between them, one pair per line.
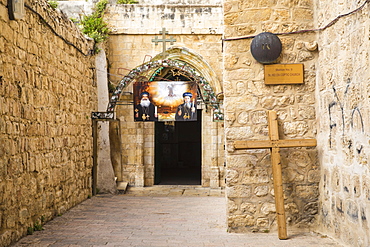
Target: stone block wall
249, 184
197, 27
47, 94
343, 80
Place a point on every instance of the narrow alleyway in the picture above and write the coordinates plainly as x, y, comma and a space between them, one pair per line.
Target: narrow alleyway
157, 216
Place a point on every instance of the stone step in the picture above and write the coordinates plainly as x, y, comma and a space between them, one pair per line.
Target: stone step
174, 190
122, 187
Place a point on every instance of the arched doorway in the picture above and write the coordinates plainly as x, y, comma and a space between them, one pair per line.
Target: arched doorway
138, 140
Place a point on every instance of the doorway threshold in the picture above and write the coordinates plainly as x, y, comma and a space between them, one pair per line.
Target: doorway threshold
175, 190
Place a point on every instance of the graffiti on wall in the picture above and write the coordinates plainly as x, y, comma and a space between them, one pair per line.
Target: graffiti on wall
344, 118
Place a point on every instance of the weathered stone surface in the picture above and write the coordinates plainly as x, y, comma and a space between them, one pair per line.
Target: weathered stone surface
241, 220
268, 208
263, 223
46, 99
246, 117
240, 133
238, 191
261, 190
307, 192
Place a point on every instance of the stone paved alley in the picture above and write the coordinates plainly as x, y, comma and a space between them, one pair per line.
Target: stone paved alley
157, 216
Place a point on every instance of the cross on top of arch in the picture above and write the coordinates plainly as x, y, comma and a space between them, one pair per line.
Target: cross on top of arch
206, 89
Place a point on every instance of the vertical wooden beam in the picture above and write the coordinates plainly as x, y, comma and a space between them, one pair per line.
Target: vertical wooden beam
279, 193
276, 172
273, 126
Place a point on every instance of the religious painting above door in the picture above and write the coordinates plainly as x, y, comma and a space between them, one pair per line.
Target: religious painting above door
165, 101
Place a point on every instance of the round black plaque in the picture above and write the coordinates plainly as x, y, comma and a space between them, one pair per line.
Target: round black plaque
266, 47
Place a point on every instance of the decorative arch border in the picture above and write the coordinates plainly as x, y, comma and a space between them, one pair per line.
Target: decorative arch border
208, 94
194, 60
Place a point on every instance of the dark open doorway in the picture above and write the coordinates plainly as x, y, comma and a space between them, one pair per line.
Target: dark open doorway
178, 152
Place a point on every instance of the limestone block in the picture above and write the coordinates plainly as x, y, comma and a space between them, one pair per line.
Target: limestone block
299, 158
298, 128
248, 207
231, 206
231, 18
280, 15
290, 27
243, 117
263, 222
230, 7
259, 117
7, 32
269, 102
242, 161
238, 191
10, 221
139, 176
313, 176
306, 99
268, 208
255, 174
214, 178
307, 191
273, 27
238, 74
261, 190
239, 133
257, 88
232, 177
240, 220
254, 15
245, 30
302, 14
244, 103
304, 56
231, 31
231, 59
228, 88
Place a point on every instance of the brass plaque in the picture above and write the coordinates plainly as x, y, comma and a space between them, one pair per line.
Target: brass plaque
283, 74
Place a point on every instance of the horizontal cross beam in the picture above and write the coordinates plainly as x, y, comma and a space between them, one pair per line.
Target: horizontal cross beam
261, 144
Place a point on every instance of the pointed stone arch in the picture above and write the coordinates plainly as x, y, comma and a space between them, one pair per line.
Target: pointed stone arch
196, 61
182, 59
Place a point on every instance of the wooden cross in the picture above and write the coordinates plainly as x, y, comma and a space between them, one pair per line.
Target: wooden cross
163, 39
275, 144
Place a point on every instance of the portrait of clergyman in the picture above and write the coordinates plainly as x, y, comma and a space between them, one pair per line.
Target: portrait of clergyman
145, 110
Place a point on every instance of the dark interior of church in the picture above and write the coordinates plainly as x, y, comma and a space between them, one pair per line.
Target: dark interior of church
178, 152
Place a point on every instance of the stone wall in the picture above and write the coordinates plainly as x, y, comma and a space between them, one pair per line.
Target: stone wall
197, 28
344, 121
47, 94
249, 187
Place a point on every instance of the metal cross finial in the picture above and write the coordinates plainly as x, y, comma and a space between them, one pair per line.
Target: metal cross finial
163, 39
